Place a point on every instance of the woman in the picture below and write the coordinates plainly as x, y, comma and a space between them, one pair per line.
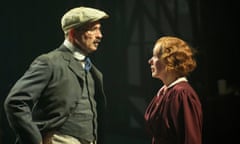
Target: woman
174, 116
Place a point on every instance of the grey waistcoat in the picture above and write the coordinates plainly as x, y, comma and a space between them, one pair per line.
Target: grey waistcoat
82, 123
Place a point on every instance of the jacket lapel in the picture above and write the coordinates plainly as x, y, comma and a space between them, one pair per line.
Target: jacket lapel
73, 64
76, 68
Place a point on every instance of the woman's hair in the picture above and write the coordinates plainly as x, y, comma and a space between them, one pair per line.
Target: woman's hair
176, 54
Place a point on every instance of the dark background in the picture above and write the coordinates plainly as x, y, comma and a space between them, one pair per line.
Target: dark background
29, 28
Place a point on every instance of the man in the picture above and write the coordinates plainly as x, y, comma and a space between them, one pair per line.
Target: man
60, 98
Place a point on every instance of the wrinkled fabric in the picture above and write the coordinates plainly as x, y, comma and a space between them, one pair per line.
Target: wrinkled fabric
174, 116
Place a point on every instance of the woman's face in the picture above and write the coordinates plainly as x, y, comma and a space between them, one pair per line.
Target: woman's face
156, 64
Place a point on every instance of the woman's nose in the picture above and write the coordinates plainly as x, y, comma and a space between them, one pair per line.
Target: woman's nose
150, 61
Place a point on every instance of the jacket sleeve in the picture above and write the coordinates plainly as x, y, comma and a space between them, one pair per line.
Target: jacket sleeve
21, 98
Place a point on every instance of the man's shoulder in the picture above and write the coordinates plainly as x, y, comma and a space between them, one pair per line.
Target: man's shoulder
54, 54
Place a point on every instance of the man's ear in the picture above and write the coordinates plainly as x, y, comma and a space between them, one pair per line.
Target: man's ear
71, 35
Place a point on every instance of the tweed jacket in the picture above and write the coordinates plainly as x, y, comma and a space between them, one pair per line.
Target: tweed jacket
43, 98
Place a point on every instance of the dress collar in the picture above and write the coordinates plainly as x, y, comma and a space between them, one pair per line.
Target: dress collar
164, 87
181, 79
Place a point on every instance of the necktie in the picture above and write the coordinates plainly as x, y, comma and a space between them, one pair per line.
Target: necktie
88, 64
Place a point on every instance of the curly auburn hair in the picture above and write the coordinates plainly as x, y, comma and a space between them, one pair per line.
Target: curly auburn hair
176, 54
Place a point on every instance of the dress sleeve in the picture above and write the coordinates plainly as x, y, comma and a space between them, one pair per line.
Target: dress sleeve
187, 116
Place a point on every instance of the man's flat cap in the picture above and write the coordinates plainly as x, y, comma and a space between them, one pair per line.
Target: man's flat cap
80, 16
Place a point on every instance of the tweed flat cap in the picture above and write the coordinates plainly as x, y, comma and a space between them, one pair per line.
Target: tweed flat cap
79, 16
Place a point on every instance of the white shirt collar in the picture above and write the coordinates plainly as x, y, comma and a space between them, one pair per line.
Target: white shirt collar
181, 79
75, 51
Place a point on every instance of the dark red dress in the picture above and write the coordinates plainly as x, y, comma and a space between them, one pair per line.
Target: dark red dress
175, 116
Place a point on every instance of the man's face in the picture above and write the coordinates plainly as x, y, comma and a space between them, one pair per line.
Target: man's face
88, 37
